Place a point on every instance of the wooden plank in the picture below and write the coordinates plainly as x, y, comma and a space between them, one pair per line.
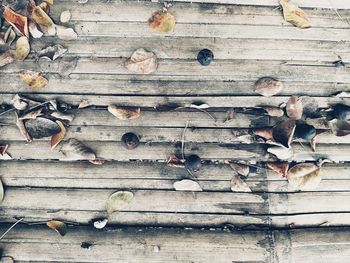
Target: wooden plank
192, 13
135, 245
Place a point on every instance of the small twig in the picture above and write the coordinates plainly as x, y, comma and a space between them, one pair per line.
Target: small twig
8, 230
183, 141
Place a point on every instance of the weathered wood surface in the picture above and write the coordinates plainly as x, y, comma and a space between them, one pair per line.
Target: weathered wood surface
39, 244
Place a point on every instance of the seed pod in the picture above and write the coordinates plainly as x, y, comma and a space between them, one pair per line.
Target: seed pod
130, 140
305, 131
205, 56
193, 163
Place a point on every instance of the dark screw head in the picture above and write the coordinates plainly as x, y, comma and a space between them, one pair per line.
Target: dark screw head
305, 131
205, 56
130, 140
193, 163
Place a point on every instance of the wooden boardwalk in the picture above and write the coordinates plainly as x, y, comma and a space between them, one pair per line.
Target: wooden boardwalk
250, 40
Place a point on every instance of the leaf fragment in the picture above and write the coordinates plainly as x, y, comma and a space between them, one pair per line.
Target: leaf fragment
339, 127
187, 185
240, 168
22, 48
66, 33
59, 226
41, 18
22, 129
124, 113
142, 62
304, 176
19, 22
41, 127
280, 168
10, 36
268, 86
238, 185
7, 58
273, 111
173, 161
163, 22
33, 79
264, 133
52, 52
32, 114
119, 201
294, 108
281, 152
19, 103
58, 137
294, 15
34, 31
76, 150
283, 132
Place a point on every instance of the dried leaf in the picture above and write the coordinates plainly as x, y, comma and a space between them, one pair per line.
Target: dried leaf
84, 104
33, 79
199, 106
6, 58
173, 161
187, 185
119, 201
281, 152
241, 169
41, 127
10, 36
22, 129
62, 116
305, 131
19, 103
279, 167
32, 114
314, 139
100, 224
41, 18
294, 108
65, 16
98, 161
58, 137
19, 22
310, 107
142, 62
304, 176
273, 111
58, 226
230, 114
124, 113
264, 133
45, 6
65, 33
341, 112
294, 15
238, 185
34, 31
76, 150
52, 52
2, 193
268, 86
339, 127
161, 21
22, 48
283, 132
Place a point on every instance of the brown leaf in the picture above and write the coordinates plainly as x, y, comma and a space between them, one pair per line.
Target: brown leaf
22, 48
173, 161
294, 108
22, 129
58, 137
339, 127
294, 15
19, 22
304, 176
6, 58
283, 132
238, 185
279, 167
264, 133
41, 127
142, 62
241, 169
314, 139
76, 150
187, 185
124, 113
98, 161
161, 21
84, 104
58, 226
32, 114
41, 18
52, 52
273, 111
268, 86
33, 79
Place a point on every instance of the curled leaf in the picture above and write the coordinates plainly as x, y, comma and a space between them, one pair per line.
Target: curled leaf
52, 52
339, 127
98, 161
34, 31
58, 226
283, 132
142, 62
33, 79
294, 15
19, 22
10, 36
161, 21
240, 168
41, 18
6, 58
124, 113
41, 127
76, 150
268, 86
173, 161
2, 194
119, 201
304, 176
264, 133
187, 185
238, 185
22, 129
294, 108
279, 167
22, 48
32, 114
58, 137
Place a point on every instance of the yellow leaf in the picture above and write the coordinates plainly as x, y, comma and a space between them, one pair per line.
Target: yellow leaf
33, 79
57, 138
40, 17
294, 15
22, 48
58, 226
162, 22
